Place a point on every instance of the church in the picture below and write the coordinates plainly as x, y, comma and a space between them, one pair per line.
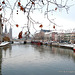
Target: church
5, 36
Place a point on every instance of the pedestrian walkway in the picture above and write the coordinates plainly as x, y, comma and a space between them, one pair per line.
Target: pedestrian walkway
71, 46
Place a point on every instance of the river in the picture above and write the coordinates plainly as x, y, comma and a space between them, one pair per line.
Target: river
27, 59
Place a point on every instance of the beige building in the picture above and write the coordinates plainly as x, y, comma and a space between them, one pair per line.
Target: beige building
42, 35
72, 37
47, 36
39, 36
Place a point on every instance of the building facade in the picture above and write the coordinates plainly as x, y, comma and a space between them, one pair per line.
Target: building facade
55, 36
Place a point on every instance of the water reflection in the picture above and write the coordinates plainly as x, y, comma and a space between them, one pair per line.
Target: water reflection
55, 51
6, 50
0, 60
3, 51
67, 53
36, 60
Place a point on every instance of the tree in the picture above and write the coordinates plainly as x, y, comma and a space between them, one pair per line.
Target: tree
29, 6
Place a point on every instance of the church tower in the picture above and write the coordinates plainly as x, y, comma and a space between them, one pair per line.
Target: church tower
0, 28
5, 29
10, 33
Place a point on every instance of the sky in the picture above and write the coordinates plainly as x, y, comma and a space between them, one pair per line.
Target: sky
60, 17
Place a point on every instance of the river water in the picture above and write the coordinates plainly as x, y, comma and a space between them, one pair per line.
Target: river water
20, 59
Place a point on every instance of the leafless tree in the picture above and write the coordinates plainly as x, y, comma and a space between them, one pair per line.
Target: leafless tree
47, 6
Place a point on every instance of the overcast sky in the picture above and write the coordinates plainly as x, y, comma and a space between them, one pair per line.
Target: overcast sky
62, 19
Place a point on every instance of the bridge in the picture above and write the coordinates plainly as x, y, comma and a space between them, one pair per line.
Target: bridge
20, 41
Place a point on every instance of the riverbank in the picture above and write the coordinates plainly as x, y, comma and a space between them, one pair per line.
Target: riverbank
56, 44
